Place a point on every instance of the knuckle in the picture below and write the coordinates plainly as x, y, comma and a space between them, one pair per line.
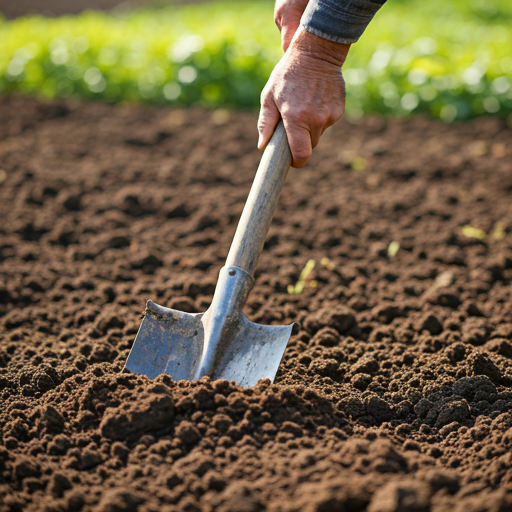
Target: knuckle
301, 154
292, 116
338, 110
318, 120
279, 9
264, 97
279, 15
336, 115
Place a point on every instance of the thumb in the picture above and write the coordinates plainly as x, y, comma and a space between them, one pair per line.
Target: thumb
267, 121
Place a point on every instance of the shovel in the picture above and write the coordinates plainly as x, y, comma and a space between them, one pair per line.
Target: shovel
223, 343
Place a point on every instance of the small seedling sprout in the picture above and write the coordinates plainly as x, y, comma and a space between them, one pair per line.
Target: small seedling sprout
471, 232
498, 232
358, 164
443, 280
327, 263
393, 248
299, 286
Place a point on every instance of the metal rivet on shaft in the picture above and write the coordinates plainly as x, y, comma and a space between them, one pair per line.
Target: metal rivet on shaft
231, 272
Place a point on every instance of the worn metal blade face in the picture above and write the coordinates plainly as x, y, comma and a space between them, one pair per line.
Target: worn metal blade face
187, 346
168, 341
254, 354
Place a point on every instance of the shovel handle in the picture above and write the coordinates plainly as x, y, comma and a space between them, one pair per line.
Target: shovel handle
262, 201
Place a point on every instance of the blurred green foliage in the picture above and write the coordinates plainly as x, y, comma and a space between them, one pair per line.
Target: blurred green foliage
452, 60
211, 54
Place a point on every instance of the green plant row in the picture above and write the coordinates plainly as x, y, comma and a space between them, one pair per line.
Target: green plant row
451, 60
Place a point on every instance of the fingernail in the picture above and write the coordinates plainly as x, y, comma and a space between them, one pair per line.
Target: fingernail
260, 140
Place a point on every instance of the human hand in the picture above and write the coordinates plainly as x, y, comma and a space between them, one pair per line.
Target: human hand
287, 15
306, 89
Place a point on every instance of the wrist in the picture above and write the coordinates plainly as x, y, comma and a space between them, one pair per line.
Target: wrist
319, 48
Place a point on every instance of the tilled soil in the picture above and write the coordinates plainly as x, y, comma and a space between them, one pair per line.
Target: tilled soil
395, 396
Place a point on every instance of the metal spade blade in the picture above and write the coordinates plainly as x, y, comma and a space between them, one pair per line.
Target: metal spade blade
223, 343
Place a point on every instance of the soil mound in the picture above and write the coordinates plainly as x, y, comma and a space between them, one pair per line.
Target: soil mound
394, 397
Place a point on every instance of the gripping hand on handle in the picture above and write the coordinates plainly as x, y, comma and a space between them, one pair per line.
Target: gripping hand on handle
306, 88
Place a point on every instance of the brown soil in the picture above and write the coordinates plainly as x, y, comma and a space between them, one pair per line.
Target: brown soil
394, 397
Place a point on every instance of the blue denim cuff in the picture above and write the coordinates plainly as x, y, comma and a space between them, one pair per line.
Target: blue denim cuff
341, 21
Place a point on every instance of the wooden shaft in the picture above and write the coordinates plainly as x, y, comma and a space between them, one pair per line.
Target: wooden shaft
259, 209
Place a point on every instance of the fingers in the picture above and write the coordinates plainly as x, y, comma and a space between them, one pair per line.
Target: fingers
287, 15
316, 133
299, 138
302, 137
287, 32
268, 119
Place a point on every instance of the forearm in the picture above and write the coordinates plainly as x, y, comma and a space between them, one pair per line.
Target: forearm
341, 21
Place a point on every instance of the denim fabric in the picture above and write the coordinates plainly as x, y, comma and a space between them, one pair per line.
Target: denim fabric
342, 21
